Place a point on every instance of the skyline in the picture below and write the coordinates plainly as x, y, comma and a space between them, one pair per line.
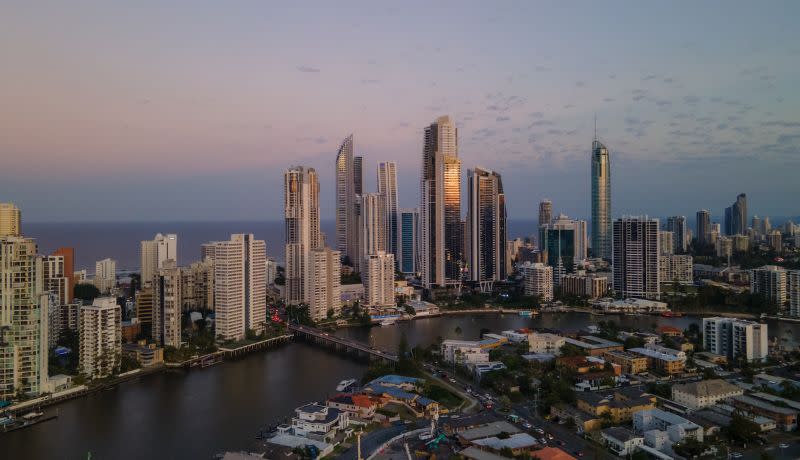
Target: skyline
138, 125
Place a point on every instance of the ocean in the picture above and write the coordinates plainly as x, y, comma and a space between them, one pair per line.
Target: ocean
95, 241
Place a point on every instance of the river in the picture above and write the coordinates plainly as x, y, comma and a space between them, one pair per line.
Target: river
196, 414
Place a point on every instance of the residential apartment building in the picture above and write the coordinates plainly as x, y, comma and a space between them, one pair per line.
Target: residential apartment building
10, 220
486, 226
545, 343
677, 225
696, 395
631, 363
301, 212
583, 285
347, 229
661, 361
409, 241
773, 282
100, 338
197, 285
538, 280
663, 429
155, 252
378, 279
168, 305
372, 222
105, 275
387, 186
636, 257
594, 346
324, 282
601, 201
735, 338
676, 268
24, 308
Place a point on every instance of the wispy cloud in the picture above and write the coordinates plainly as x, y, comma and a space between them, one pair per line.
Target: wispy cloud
307, 69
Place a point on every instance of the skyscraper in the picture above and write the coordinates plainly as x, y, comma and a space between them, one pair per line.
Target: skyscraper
564, 243
155, 252
10, 220
240, 286
677, 225
409, 240
636, 258
358, 175
24, 309
486, 226
739, 215
387, 186
301, 211
545, 212
601, 200
703, 226
69, 269
168, 305
378, 276
440, 205
100, 338
105, 275
666, 242
346, 203
324, 283
373, 225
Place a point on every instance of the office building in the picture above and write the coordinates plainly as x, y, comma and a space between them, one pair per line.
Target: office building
24, 308
735, 338
409, 240
324, 282
601, 200
155, 252
666, 243
100, 338
10, 220
145, 300
677, 225
168, 305
676, 268
347, 231
703, 226
724, 247
372, 224
775, 240
564, 243
240, 286
378, 278
441, 240
301, 210
538, 280
486, 226
545, 212
68, 254
636, 261
582, 285
105, 275
387, 186
772, 282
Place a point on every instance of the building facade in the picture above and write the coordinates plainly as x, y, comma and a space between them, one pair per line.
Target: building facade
735, 338
636, 261
440, 206
486, 226
168, 305
676, 268
324, 283
100, 338
346, 206
409, 240
703, 223
24, 308
538, 280
378, 278
301, 212
677, 225
10, 220
155, 252
601, 200
545, 212
372, 225
105, 275
772, 282
387, 186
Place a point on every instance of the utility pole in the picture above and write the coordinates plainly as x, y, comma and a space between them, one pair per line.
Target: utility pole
359, 457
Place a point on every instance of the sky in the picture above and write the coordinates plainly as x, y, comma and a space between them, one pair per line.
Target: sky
153, 111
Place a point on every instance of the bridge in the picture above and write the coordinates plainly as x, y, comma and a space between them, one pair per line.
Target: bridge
341, 343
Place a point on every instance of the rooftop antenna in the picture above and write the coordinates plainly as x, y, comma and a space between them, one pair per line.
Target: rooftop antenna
595, 127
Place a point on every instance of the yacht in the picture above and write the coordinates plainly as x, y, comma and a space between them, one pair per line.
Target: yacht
346, 385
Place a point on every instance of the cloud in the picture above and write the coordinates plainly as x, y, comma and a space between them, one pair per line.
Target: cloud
541, 123
541, 68
649, 77
691, 99
307, 69
502, 119
609, 99
569, 106
580, 84
781, 124
368, 81
536, 114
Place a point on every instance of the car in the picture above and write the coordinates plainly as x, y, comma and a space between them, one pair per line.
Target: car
736, 455
549, 436
579, 453
527, 425
560, 443
452, 380
783, 445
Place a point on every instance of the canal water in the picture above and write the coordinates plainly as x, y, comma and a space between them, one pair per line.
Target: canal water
196, 414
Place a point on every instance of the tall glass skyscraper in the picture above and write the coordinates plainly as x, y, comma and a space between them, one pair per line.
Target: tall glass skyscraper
601, 200
486, 226
409, 240
346, 203
387, 186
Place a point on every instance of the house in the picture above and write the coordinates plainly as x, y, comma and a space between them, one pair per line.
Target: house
545, 343
321, 423
669, 331
357, 404
617, 408
621, 441
584, 421
696, 395
398, 381
663, 429
394, 394
481, 369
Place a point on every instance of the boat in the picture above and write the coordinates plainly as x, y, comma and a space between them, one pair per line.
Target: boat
527, 313
388, 322
346, 385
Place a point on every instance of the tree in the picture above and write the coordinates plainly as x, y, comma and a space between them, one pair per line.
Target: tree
86, 292
742, 429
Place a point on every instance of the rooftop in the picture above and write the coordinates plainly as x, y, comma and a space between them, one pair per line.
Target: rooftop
592, 342
392, 379
515, 441
702, 388
766, 405
655, 354
619, 433
553, 453
477, 454
490, 429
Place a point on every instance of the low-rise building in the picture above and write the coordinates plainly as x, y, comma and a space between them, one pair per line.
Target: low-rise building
583, 285
621, 441
662, 429
594, 346
779, 409
774, 382
696, 395
515, 337
145, 354
545, 343
629, 305
618, 408
518, 443
359, 405
664, 363
631, 363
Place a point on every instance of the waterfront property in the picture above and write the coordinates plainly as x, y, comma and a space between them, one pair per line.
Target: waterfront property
696, 395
